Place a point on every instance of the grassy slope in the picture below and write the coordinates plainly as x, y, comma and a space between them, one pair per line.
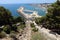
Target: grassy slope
37, 36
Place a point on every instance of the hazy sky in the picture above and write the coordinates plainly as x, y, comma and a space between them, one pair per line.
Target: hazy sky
25, 1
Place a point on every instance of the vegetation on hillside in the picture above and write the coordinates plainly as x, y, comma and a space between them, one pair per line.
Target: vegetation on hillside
5, 16
52, 18
37, 36
34, 29
8, 22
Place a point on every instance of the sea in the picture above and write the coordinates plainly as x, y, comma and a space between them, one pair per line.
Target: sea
13, 8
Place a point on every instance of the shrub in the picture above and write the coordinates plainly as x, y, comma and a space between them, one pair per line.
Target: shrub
35, 29
32, 25
2, 34
12, 35
7, 29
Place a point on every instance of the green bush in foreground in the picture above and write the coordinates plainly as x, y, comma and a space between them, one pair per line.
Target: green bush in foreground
2, 34
5, 16
8, 21
33, 27
12, 35
7, 29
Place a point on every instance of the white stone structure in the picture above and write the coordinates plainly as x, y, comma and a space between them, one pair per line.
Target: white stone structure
28, 16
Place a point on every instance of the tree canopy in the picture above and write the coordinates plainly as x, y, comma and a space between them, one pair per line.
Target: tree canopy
8, 21
5, 16
52, 18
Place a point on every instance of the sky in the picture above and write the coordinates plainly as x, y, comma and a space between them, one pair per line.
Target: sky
25, 1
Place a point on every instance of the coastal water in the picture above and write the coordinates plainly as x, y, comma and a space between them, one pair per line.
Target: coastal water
13, 8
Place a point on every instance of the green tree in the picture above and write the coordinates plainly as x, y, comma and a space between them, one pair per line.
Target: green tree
6, 19
9, 21
52, 18
19, 19
5, 16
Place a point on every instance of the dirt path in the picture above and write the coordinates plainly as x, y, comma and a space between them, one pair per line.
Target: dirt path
26, 33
